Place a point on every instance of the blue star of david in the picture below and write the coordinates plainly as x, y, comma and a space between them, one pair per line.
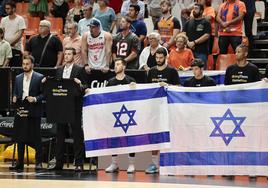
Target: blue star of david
131, 121
227, 137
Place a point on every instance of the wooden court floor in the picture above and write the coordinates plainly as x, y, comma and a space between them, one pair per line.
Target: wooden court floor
69, 179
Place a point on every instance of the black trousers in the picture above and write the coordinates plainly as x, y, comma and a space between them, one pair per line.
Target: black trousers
38, 151
78, 146
248, 21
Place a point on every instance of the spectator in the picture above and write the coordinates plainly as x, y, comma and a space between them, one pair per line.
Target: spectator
74, 40
168, 26
83, 23
116, 5
106, 15
154, 10
38, 8
96, 47
199, 79
75, 14
13, 26
126, 44
186, 8
45, 47
5, 50
242, 71
230, 19
248, 20
147, 58
198, 32
127, 3
181, 58
137, 26
60, 9
210, 14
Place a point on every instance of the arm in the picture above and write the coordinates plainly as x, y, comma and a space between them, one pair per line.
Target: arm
17, 37
59, 59
108, 48
131, 56
142, 10
124, 9
8, 56
84, 49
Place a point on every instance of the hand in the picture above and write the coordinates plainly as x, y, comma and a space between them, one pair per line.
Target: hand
14, 99
165, 45
87, 91
163, 84
77, 81
105, 69
44, 80
31, 99
191, 45
88, 69
265, 79
225, 24
132, 85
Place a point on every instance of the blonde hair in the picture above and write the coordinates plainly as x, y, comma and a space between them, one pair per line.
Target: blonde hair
182, 36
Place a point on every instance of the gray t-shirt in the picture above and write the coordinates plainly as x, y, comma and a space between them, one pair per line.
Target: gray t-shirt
106, 18
11, 28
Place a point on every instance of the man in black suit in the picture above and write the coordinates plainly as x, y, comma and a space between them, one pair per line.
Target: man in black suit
71, 71
28, 99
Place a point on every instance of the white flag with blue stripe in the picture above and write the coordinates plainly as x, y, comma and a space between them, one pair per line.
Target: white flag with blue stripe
219, 130
119, 120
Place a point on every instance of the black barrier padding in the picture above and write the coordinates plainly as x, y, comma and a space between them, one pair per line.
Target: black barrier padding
4, 89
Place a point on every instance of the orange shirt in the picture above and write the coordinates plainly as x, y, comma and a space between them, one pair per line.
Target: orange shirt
227, 12
209, 11
183, 58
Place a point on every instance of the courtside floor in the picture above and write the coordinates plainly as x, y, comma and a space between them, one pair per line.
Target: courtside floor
69, 179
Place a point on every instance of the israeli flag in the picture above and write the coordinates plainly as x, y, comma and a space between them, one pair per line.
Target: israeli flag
219, 130
120, 120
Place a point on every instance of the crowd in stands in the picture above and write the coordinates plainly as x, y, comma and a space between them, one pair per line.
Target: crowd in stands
185, 35
187, 29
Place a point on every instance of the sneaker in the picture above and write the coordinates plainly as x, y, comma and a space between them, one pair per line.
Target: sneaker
113, 168
131, 169
152, 169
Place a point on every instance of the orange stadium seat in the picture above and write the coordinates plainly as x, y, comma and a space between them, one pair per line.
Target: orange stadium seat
56, 25
224, 60
22, 8
210, 62
32, 25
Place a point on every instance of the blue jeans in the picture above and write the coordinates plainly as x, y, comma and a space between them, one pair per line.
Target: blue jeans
225, 41
203, 57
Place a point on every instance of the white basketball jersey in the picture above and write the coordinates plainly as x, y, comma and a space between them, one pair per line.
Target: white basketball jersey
96, 51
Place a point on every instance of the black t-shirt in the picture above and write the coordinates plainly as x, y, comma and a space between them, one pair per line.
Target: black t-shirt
36, 45
123, 46
203, 82
241, 75
169, 75
195, 29
60, 97
151, 61
114, 82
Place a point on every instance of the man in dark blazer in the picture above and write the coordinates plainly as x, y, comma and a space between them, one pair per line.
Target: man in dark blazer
28, 98
71, 71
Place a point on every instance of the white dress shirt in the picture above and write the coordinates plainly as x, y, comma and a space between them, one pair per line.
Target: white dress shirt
67, 71
26, 85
